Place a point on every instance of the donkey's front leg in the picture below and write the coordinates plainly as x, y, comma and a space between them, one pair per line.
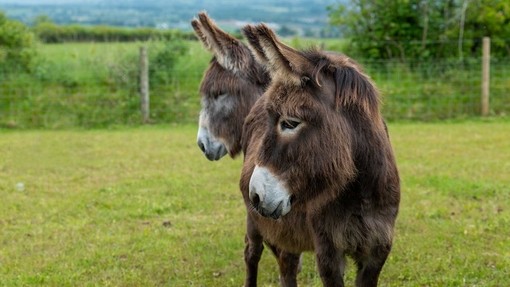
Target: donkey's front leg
331, 265
252, 252
330, 260
290, 265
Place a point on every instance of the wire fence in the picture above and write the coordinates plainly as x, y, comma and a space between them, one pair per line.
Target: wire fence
414, 90
440, 89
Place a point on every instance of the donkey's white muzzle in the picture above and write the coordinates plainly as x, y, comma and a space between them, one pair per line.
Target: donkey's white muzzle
212, 148
267, 194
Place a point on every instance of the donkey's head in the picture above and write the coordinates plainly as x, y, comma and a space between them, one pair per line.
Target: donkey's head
322, 114
230, 86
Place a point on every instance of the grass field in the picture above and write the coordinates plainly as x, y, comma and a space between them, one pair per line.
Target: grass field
97, 85
143, 207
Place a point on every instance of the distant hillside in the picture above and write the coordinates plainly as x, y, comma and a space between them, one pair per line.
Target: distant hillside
304, 17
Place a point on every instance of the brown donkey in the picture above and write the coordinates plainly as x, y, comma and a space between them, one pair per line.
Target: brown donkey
319, 172
229, 88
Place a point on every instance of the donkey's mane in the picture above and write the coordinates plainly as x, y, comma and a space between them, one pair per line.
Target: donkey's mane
353, 88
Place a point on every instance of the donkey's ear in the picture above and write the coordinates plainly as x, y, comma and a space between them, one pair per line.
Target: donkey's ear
198, 31
229, 51
283, 61
251, 35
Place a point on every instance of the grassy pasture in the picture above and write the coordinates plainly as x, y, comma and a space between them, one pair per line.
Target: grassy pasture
96, 85
142, 207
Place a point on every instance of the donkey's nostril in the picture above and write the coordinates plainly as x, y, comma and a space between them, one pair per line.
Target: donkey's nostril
201, 146
255, 200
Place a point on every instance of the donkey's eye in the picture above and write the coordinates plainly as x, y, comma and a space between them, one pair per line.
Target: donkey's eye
289, 124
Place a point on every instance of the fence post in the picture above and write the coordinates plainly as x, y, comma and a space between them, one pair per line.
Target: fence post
144, 85
486, 59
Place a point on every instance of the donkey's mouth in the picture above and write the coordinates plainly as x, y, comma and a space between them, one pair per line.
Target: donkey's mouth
275, 214
216, 154
213, 150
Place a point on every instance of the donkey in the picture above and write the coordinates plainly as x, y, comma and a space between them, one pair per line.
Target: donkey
231, 85
319, 172
229, 88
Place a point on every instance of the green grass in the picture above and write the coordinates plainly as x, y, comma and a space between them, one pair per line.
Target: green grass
143, 207
96, 85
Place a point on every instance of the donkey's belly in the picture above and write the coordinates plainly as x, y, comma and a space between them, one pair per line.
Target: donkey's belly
290, 233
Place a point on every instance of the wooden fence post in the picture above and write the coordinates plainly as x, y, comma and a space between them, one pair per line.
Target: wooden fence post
486, 59
144, 85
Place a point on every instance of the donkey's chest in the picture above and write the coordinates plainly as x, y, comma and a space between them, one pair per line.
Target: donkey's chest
290, 233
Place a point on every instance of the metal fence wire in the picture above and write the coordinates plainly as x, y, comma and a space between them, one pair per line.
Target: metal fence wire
439, 89
415, 90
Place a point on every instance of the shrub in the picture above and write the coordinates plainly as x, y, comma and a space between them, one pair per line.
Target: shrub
162, 64
17, 46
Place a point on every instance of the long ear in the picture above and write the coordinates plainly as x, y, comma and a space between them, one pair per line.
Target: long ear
284, 61
251, 35
229, 51
198, 31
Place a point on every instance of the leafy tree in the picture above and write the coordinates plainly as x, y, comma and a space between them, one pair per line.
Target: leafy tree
403, 29
17, 46
489, 18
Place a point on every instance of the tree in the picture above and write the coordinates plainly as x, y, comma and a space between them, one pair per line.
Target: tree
17, 43
489, 18
403, 29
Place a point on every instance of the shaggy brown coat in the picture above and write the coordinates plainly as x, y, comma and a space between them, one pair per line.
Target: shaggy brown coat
339, 168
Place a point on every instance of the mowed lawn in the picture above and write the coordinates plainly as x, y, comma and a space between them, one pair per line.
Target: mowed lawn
143, 207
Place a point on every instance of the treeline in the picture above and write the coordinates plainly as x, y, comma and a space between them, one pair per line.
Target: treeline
423, 29
52, 33
19, 52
